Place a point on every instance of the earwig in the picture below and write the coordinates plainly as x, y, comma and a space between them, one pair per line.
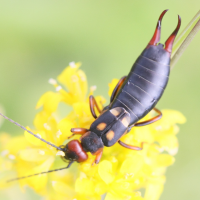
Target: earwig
134, 96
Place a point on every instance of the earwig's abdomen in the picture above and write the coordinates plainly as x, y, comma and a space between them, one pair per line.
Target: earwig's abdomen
145, 83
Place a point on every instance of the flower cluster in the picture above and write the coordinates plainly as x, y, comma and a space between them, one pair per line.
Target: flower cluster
122, 174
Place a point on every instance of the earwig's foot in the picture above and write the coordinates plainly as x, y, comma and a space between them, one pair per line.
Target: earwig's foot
95, 162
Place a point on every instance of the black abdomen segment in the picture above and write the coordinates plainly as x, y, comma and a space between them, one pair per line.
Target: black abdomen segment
145, 83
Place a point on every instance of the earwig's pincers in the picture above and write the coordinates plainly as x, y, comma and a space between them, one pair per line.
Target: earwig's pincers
170, 40
156, 37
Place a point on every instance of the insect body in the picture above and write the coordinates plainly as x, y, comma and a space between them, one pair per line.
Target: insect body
133, 97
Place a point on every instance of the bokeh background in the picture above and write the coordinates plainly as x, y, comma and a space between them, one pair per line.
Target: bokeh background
39, 38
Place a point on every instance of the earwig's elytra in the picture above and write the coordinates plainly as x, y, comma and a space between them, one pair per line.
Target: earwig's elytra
134, 96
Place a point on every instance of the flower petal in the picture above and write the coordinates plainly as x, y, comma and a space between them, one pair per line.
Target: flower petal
33, 155
132, 165
105, 171
63, 189
32, 139
67, 73
49, 101
84, 186
64, 127
39, 182
112, 86
153, 191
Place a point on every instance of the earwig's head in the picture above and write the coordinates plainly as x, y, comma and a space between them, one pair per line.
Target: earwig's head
74, 151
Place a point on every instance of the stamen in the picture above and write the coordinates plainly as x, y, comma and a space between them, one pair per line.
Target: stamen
60, 153
158, 128
83, 78
47, 127
127, 197
137, 181
58, 88
160, 149
39, 135
83, 175
4, 152
41, 152
12, 157
50, 147
52, 81
54, 182
138, 193
72, 64
173, 151
58, 134
74, 78
93, 88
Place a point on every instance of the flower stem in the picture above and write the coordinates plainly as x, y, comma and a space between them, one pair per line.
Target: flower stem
179, 50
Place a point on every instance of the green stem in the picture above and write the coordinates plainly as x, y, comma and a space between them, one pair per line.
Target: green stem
184, 39
184, 32
185, 44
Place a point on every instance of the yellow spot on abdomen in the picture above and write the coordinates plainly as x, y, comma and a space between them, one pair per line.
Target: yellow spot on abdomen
101, 126
110, 135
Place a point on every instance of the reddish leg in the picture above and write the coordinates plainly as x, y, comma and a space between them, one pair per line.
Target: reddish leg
93, 104
78, 131
98, 156
150, 121
117, 88
130, 146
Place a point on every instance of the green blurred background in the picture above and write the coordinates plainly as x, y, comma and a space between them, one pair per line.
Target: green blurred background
39, 38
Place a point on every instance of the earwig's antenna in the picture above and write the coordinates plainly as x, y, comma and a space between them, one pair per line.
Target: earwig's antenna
22, 127
15, 179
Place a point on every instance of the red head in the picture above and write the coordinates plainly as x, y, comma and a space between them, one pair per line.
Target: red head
74, 151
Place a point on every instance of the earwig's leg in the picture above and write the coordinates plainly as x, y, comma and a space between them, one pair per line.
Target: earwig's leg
117, 87
130, 146
98, 157
150, 121
78, 131
93, 103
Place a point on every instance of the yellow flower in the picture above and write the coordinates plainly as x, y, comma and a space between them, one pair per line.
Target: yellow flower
121, 173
